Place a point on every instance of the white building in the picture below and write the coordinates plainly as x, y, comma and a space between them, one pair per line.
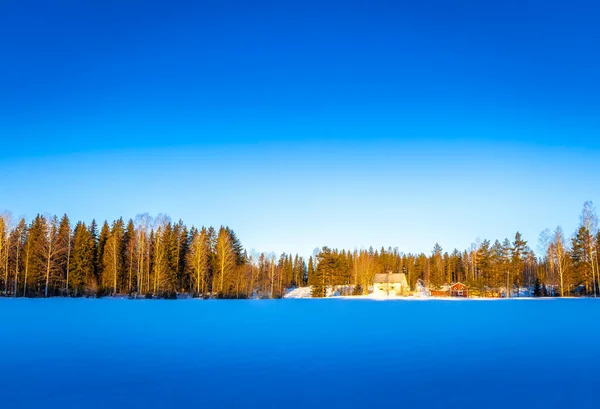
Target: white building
390, 284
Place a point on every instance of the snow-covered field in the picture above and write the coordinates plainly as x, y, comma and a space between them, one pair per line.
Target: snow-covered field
328, 353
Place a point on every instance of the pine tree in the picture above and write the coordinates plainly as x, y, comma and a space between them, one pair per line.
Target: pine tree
326, 267
518, 252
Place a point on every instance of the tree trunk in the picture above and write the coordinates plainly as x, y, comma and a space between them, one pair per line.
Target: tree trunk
16, 285
68, 264
222, 272
507, 283
26, 269
47, 276
115, 267
272, 276
6, 251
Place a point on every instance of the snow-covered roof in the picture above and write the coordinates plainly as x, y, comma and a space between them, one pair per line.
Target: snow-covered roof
390, 278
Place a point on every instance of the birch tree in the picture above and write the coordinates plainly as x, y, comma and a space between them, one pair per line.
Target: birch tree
19, 234
225, 258
4, 242
199, 260
113, 256
544, 240
589, 220
30, 253
506, 257
559, 256
366, 270
161, 263
142, 226
49, 249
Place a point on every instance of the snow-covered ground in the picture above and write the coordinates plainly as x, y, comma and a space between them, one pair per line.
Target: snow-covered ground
325, 353
299, 292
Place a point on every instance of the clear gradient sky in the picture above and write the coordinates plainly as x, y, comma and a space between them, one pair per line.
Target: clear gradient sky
302, 124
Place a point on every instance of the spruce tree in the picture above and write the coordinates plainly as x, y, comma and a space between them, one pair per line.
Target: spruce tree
484, 266
32, 262
82, 274
437, 267
102, 239
537, 289
172, 258
129, 259
179, 249
65, 240
311, 272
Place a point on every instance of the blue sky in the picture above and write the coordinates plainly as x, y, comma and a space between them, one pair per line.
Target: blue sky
302, 124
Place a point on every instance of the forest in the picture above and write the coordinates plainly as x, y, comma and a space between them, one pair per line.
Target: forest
154, 257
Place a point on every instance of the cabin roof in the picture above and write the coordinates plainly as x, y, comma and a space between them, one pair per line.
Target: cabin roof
390, 278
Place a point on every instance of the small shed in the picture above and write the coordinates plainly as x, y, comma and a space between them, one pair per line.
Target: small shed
454, 290
441, 292
390, 284
459, 290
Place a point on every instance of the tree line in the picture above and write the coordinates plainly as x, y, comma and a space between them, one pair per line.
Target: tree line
149, 257
563, 266
155, 257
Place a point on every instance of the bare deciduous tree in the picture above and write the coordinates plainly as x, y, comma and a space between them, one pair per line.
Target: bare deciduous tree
559, 256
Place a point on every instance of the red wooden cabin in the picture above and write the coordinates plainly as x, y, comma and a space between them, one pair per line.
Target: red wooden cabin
459, 290
455, 290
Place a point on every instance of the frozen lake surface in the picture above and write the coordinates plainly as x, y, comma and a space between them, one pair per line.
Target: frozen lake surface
84, 353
